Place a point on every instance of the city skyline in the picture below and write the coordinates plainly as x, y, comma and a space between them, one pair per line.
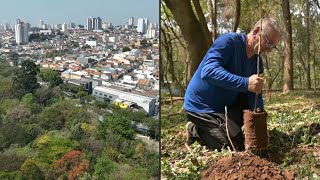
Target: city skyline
58, 12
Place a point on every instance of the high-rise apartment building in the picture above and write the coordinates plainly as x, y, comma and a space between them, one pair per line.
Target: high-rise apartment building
131, 22
143, 24
104, 25
89, 23
26, 29
71, 25
94, 23
64, 27
151, 33
41, 24
21, 32
45, 26
7, 27
58, 26
98, 25
146, 23
140, 25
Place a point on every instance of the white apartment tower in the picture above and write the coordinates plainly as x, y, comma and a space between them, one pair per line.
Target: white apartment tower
89, 23
140, 25
41, 24
64, 27
7, 27
94, 23
143, 24
98, 25
21, 32
25, 32
71, 25
104, 25
131, 22
146, 23
151, 33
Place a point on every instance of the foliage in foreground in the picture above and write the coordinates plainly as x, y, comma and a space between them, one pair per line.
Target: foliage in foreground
46, 136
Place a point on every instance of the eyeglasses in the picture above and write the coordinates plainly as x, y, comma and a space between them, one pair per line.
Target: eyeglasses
269, 45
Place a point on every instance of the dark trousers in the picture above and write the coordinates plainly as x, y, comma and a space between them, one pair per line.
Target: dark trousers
210, 128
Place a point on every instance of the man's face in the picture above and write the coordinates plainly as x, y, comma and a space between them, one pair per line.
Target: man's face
269, 41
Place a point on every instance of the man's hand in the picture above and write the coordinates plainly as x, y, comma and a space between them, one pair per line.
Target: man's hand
255, 83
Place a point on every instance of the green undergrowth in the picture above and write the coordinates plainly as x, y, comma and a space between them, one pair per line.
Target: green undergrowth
291, 146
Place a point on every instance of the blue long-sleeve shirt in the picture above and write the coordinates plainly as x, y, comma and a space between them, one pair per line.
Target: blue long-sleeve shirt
223, 73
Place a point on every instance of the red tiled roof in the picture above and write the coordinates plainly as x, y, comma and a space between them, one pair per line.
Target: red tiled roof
96, 73
74, 68
143, 82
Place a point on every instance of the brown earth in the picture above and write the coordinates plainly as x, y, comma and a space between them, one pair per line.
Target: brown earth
255, 130
244, 166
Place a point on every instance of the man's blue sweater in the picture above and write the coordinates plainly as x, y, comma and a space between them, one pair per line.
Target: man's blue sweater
223, 73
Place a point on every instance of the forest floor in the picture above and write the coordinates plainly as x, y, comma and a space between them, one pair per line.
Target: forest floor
293, 153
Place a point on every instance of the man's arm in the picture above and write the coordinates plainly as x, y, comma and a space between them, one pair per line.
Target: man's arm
213, 71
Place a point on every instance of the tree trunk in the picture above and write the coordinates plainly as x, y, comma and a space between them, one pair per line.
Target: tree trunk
237, 15
202, 21
169, 53
288, 60
308, 47
314, 62
166, 44
191, 32
300, 80
213, 18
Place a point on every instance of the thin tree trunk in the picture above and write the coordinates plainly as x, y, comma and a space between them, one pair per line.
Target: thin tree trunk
314, 64
267, 71
191, 32
186, 71
170, 27
308, 48
213, 17
237, 15
288, 60
202, 21
179, 78
272, 79
268, 95
165, 43
302, 62
169, 54
300, 80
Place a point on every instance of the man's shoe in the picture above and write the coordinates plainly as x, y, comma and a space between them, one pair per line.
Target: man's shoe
190, 138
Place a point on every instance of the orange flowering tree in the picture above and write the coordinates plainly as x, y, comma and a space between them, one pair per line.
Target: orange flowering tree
71, 165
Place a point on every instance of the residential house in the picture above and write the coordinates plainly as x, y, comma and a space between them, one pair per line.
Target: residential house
143, 83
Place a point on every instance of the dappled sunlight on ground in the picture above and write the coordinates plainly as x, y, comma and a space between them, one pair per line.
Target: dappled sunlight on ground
291, 146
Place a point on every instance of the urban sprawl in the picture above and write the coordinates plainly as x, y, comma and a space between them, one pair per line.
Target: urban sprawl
118, 64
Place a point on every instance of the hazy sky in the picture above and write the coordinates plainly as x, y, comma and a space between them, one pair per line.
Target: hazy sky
59, 11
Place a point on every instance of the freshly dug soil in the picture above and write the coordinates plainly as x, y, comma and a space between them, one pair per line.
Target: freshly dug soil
244, 166
255, 130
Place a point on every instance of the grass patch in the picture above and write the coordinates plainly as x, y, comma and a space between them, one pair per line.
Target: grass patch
291, 146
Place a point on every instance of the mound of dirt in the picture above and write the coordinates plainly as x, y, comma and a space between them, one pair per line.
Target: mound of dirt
245, 166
